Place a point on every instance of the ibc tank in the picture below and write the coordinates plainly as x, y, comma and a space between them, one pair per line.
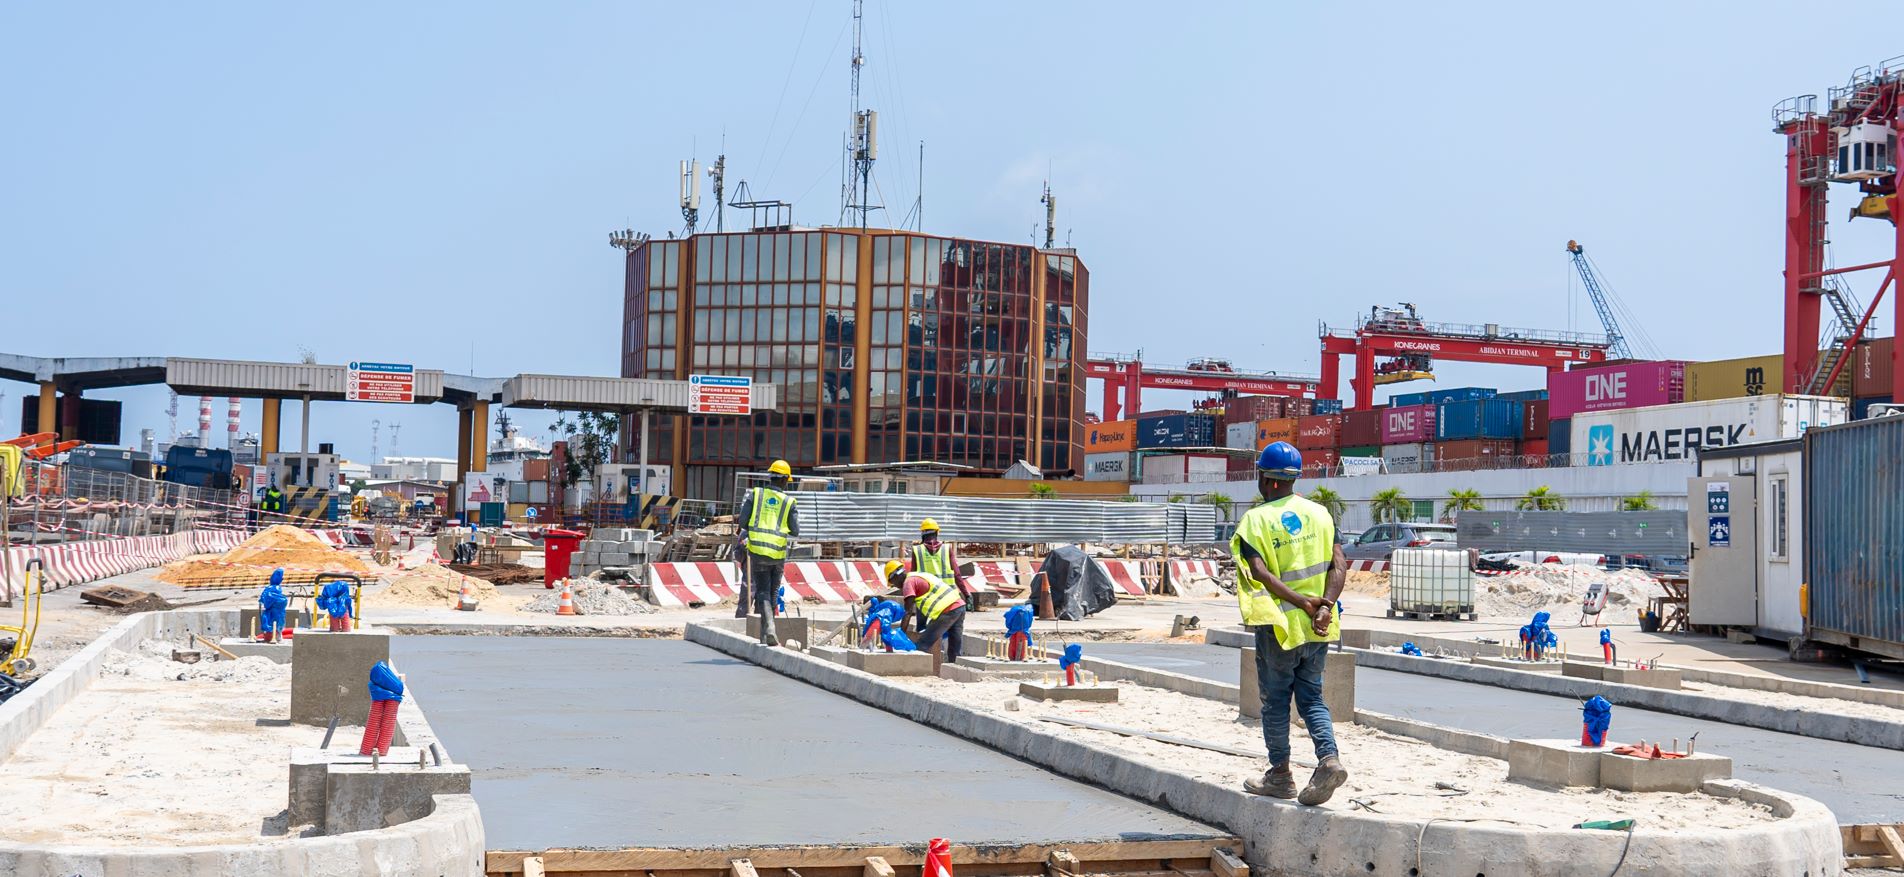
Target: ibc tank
1432, 581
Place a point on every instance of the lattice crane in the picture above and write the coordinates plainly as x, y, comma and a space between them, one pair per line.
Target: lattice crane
1616, 340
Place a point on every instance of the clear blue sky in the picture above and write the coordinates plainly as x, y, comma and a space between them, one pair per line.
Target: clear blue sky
434, 183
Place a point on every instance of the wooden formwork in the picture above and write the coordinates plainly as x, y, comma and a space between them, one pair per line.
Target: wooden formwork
1204, 857
1873, 846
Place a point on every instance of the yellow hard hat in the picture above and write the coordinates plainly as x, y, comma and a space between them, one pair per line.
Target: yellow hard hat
893, 566
780, 467
928, 525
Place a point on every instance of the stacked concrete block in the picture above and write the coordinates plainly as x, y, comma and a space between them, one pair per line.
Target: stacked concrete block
614, 548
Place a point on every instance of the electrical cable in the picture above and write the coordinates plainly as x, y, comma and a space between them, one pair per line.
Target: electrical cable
821, 77
781, 103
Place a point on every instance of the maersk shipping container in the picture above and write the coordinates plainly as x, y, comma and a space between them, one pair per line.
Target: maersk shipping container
1408, 457
1663, 433
1410, 423
1477, 419
1177, 431
1240, 435
1854, 542
1112, 466
1363, 427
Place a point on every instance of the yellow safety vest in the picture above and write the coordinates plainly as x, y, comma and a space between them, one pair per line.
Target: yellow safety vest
1296, 539
936, 563
937, 598
767, 534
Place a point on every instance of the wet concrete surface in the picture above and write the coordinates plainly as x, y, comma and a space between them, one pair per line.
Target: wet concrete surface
1859, 783
583, 742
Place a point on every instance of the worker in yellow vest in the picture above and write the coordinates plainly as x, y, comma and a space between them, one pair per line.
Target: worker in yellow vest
1289, 572
934, 558
938, 606
768, 525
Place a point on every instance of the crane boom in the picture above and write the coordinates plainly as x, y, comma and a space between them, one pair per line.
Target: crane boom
1616, 340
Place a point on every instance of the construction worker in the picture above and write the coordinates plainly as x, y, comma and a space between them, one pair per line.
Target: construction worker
768, 525
934, 558
937, 605
271, 504
1289, 572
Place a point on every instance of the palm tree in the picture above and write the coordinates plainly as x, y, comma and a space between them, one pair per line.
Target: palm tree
1389, 506
1222, 502
1639, 502
1041, 490
1541, 499
1329, 500
1460, 500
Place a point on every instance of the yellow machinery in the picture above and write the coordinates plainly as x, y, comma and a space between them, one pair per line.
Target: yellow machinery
33, 581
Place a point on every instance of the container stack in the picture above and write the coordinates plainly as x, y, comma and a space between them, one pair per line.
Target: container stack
1110, 451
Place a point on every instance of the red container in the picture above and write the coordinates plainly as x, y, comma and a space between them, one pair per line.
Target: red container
557, 546
1317, 463
1318, 431
1871, 368
1469, 454
1251, 409
1534, 420
1608, 387
1362, 427
1299, 407
1534, 453
1408, 424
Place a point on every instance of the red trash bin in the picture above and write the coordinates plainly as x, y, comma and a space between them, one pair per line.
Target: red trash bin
557, 546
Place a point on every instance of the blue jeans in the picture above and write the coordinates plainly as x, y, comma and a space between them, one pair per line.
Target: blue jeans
1281, 673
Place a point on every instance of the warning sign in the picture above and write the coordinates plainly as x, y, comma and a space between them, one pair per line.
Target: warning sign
380, 382
720, 394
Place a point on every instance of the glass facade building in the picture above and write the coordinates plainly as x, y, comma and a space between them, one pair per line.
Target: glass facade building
887, 346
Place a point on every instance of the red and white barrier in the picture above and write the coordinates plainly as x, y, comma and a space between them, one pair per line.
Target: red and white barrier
75, 563
1368, 565
685, 584
1185, 568
1127, 575
833, 581
988, 575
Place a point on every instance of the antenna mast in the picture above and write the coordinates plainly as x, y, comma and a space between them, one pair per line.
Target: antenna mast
1051, 216
376, 426
691, 195
718, 173
865, 140
393, 437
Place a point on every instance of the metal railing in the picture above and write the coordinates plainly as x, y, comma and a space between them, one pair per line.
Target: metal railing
1482, 332
61, 502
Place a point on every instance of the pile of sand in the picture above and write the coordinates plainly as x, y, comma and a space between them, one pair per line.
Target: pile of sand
1558, 589
433, 585
153, 662
591, 598
301, 555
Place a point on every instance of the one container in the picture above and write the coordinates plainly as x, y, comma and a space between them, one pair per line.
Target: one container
1430, 581
1281, 429
1560, 436
1327, 406
1110, 466
1664, 433
1478, 419
1177, 431
1471, 454
1733, 378
1359, 451
1409, 423
1363, 427
1111, 435
1410, 457
1184, 468
1854, 548
1871, 371
1461, 394
1610, 387
1240, 435
1406, 399
1523, 395
1318, 431
1534, 419
557, 546
1861, 408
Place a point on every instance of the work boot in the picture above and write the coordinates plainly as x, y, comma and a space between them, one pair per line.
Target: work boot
1277, 782
770, 641
1329, 776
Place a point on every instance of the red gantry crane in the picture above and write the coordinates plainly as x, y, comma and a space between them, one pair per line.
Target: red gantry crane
1408, 346
1130, 375
1854, 140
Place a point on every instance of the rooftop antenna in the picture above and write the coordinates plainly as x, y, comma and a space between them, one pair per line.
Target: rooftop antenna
691, 196
718, 173
394, 427
627, 239
1051, 216
766, 213
376, 426
171, 418
864, 145
919, 203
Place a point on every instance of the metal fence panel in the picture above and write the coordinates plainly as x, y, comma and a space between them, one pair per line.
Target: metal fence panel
1652, 533
832, 516
1854, 531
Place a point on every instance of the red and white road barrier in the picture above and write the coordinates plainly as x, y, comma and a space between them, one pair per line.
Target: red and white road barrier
1127, 575
76, 563
1368, 565
989, 575
1186, 568
833, 581
685, 584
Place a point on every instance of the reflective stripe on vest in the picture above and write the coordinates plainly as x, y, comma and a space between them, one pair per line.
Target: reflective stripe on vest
935, 563
767, 523
1296, 540
936, 599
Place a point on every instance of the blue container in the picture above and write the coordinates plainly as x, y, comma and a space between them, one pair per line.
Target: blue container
1177, 431
1523, 396
1460, 394
1861, 408
1478, 419
198, 467
1406, 399
1854, 548
1560, 436
1328, 406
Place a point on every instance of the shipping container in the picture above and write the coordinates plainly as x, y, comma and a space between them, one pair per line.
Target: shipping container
1161, 412
1240, 435
1854, 547
1523, 395
1363, 427
1359, 451
1177, 431
1183, 468
1479, 419
1676, 432
1733, 378
1469, 454
1300, 407
1319, 431
1871, 368
1319, 461
1281, 429
535, 470
1560, 436
1460, 394
1408, 457
1111, 435
1534, 448
1611, 387
1411, 423
1249, 409
1109, 466
1327, 406
1403, 400
1534, 419
123, 460
1861, 408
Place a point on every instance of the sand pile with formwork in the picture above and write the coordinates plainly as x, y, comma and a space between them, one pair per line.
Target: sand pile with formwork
301, 555
1559, 589
433, 585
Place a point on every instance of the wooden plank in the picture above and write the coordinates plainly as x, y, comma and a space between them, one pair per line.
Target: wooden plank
1061, 863
876, 866
813, 858
532, 867
1872, 862
1893, 844
214, 647
741, 868
1226, 864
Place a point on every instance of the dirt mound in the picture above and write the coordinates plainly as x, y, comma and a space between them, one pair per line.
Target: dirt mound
591, 598
1558, 589
433, 585
301, 555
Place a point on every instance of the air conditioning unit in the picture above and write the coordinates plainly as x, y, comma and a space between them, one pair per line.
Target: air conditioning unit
1883, 409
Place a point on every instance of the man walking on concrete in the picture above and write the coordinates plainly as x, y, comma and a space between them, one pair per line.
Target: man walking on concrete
1289, 572
768, 526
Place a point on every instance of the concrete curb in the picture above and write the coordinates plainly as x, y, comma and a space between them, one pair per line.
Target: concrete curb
1808, 723
1804, 841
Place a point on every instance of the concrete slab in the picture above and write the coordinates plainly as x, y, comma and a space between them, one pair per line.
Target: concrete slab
330, 673
892, 663
646, 742
1629, 774
1516, 664
786, 627
1554, 762
1086, 693
279, 653
1000, 665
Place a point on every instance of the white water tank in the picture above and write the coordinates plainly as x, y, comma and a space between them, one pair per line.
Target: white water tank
1430, 581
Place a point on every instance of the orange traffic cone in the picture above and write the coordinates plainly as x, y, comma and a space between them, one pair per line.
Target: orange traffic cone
938, 858
466, 601
567, 605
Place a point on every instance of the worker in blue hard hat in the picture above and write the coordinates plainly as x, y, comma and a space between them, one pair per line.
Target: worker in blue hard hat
1289, 572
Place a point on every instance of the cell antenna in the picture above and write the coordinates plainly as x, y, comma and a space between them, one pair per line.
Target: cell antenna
1051, 216
691, 196
718, 173
376, 427
863, 146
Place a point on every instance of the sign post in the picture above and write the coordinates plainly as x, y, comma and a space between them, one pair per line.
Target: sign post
380, 382
720, 394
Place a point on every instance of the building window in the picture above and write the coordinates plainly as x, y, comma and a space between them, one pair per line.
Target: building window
1779, 506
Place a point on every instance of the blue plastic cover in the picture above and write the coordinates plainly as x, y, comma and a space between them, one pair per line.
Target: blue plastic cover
1073, 653
384, 684
1597, 714
271, 603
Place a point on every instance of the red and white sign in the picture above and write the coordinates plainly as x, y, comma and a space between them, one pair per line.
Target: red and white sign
380, 382
720, 394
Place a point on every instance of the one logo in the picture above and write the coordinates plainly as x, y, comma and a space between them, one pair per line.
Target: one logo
1293, 523
1600, 445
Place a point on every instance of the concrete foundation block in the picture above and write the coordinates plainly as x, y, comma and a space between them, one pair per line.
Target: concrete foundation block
1629, 774
1351, 639
1000, 665
358, 798
310, 771
1524, 666
892, 663
786, 627
1651, 678
836, 654
1554, 762
279, 653
248, 620
616, 558
1338, 687
330, 673
1089, 693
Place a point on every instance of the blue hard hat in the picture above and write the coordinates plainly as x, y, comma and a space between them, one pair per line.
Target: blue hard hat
1281, 461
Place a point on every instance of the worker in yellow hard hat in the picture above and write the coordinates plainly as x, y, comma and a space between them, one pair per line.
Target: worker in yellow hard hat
934, 557
768, 525
936, 603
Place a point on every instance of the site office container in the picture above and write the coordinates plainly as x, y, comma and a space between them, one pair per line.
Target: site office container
1560, 437
1734, 378
1181, 468
1523, 395
1468, 454
1663, 433
1871, 368
1249, 409
1111, 435
1478, 419
1408, 423
1408, 457
1111, 466
1177, 431
1326, 406
1363, 427
1281, 429
1611, 387
1240, 435
1534, 419
1319, 431
1854, 546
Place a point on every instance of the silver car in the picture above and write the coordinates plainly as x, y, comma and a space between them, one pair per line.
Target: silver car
1381, 540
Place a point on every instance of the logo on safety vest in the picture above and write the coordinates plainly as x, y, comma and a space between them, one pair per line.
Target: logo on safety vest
1293, 523
773, 500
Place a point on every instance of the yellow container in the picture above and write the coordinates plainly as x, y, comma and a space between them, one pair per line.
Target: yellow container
1733, 378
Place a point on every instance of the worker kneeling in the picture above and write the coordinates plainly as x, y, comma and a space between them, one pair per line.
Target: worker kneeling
938, 606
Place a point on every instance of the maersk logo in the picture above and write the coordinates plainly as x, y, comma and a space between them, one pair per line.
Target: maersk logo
1600, 445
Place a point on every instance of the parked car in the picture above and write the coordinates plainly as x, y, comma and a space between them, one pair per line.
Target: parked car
1381, 540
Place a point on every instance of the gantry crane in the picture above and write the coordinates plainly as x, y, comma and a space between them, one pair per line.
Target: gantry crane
1384, 334
1128, 376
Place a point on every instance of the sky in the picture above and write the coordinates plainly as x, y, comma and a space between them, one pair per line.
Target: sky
434, 183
